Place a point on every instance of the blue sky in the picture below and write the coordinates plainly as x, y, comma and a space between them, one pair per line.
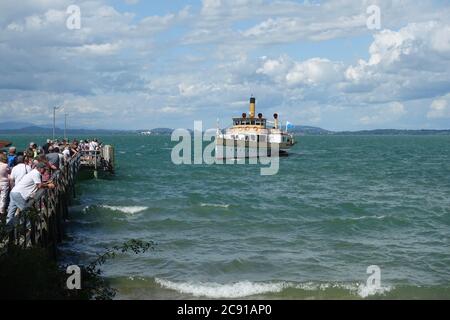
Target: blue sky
138, 64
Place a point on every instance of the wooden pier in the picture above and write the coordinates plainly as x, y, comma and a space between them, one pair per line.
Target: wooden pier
98, 161
42, 222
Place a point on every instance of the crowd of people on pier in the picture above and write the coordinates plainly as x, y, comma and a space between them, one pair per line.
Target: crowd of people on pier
23, 173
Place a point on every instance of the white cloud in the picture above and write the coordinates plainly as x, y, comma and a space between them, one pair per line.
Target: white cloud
132, 70
211, 7
99, 49
275, 69
314, 71
404, 64
440, 39
439, 108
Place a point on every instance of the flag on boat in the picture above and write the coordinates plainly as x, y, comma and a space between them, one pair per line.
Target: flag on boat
289, 126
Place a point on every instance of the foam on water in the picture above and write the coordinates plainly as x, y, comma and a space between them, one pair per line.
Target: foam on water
247, 288
355, 288
367, 217
126, 209
366, 291
217, 205
217, 291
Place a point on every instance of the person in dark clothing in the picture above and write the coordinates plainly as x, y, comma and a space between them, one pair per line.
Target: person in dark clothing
53, 158
12, 157
46, 146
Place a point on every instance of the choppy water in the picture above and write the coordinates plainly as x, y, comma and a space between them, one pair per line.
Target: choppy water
338, 205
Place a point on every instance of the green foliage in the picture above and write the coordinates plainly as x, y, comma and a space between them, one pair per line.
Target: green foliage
94, 286
31, 274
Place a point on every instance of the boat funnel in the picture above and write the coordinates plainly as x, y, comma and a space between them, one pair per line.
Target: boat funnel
252, 107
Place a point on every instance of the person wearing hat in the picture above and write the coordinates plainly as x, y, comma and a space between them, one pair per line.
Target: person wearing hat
25, 189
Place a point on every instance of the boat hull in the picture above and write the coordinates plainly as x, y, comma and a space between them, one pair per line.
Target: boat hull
238, 149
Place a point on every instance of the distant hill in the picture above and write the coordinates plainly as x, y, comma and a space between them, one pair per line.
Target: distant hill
307, 130
48, 131
14, 125
386, 132
27, 128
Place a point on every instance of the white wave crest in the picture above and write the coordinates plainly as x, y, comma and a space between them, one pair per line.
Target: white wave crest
367, 217
218, 291
316, 286
247, 288
358, 289
217, 205
125, 209
365, 291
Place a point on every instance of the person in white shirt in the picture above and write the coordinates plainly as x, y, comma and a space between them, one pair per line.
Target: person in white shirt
66, 153
19, 171
4, 184
23, 190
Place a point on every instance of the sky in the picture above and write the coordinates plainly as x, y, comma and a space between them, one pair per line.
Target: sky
136, 64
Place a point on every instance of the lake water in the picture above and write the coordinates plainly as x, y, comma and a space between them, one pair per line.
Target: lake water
338, 205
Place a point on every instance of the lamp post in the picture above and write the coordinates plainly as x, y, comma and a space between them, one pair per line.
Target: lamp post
54, 120
65, 125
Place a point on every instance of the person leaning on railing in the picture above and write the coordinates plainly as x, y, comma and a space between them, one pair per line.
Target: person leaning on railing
25, 189
49, 168
19, 171
4, 183
53, 157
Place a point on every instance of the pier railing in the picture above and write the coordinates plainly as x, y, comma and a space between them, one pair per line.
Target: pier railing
42, 222
102, 159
